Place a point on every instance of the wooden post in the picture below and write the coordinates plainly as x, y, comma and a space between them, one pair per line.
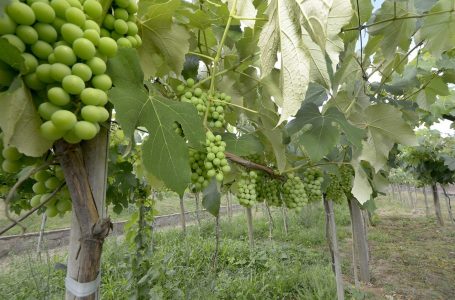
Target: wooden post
332, 240
249, 218
408, 187
448, 204
198, 217
399, 193
285, 219
437, 205
85, 170
182, 216
41, 233
392, 191
427, 208
271, 225
360, 241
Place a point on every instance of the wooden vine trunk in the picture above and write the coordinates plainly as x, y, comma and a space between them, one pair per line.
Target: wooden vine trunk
399, 193
85, 170
198, 217
425, 197
437, 205
182, 216
249, 218
332, 240
360, 241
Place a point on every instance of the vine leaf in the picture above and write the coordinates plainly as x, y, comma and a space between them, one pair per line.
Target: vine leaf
20, 121
212, 198
165, 153
439, 29
282, 35
361, 188
319, 133
385, 127
244, 145
246, 9
165, 43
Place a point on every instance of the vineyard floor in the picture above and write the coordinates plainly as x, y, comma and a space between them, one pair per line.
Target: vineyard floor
411, 258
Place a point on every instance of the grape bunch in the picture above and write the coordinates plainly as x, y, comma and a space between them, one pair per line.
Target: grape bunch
47, 181
347, 178
334, 190
199, 176
312, 179
271, 190
202, 101
247, 189
120, 24
215, 161
294, 195
11, 159
64, 63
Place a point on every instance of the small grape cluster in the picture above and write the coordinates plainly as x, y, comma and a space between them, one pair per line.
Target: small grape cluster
347, 178
64, 62
120, 24
11, 159
312, 179
199, 176
294, 195
47, 181
272, 192
247, 189
334, 190
200, 99
215, 161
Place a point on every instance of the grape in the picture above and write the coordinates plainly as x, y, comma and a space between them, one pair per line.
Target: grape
91, 96
199, 176
91, 25
294, 195
247, 189
21, 13
124, 43
270, 190
63, 205
97, 65
92, 35
93, 9
52, 183
59, 71
85, 130
60, 6
32, 81
107, 46
27, 34
334, 190
71, 137
42, 49
65, 55
64, 120
47, 109
41, 175
11, 153
71, 32
50, 131
43, 12
102, 82
347, 178
76, 16
92, 113
215, 154
30, 62
51, 211
73, 84
43, 72
83, 48
7, 25
46, 32
10, 166
312, 179
35, 201
82, 70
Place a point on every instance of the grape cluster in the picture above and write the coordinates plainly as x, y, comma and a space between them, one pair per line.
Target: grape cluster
271, 190
202, 101
347, 178
64, 63
120, 24
294, 195
215, 161
334, 190
47, 181
312, 179
199, 176
247, 189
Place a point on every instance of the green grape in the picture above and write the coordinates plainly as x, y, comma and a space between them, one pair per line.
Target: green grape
43, 72
271, 190
7, 25
39, 188
102, 82
27, 34
91, 96
92, 35
21, 13
64, 120
76, 16
334, 190
50, 131
41, 175
346, 178
65, 55
63, 205
85, 130
215, 155
11, 153
71, 32
60, 6
35, 201
294, 195
46, 109
107, 46
84, 48
312, 179
82, 70
199, 176
59, 71
10, 166
46, 32
51, 211
73, 84
247, 189
93, 9
42, 49
43, 12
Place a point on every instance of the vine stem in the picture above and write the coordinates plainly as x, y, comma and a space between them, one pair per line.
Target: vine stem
201, 55
251, 165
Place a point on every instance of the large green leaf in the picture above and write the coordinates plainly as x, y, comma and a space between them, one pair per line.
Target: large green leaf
165, 153
244, 145
165, 43
20, 121
361, 188
438, 28
320, 132
385, 127
212, 198
282, 36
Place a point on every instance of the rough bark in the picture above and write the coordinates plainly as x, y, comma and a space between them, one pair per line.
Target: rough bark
448, 204
360, 241
249, 217
333, 246
85, 173
437, 205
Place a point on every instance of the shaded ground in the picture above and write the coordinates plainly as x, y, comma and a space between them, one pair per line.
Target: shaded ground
411, 256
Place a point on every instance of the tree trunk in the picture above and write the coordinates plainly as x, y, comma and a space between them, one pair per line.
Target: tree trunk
427, 208
285, 219
41, 233
249, 218
360, 241
271, 225
416, 196
408, 187
85, 170
333, 246
198, 217
448, 204
437, 205
182, 216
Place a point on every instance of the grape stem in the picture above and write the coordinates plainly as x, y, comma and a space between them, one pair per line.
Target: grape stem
251, 165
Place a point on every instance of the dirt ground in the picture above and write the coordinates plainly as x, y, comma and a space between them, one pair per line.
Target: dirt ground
411, 257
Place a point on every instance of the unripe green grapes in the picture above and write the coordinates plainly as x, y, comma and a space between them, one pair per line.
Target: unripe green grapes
271, 190
199, 177
334, 190
312, 179
215, 159
294, 195
246, 189
346, 178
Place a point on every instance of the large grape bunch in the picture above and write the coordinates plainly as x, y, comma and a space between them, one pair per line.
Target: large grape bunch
201, 99
294, 195
312, 179
346, 178
47, 181
335, 190
247, 189
199, 177
271, 190
65, 61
